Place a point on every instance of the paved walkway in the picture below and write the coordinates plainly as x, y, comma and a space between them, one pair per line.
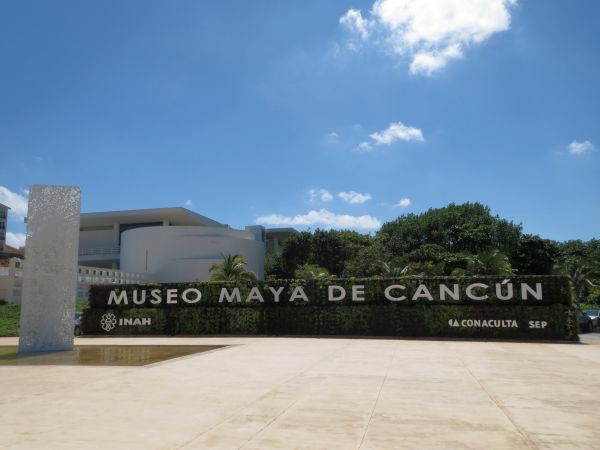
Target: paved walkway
300, 393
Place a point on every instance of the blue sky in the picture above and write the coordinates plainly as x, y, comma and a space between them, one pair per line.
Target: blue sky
307, 114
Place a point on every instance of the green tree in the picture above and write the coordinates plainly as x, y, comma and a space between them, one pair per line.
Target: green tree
331, 249
467, 228
586, 253
535, 256
297, 251
273, 267
580, 261
366, 262
233, 268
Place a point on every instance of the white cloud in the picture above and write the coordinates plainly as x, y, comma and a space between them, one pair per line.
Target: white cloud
16, 202
188, 203
322, 194
364, 147
581, 148
353, 20
15, 239
332, 138
397, 131
430, 32
403, 203
429, 62
323, 218
325, 195
354, 197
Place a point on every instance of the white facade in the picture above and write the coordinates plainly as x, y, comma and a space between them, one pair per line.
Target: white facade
169, 244
186, 253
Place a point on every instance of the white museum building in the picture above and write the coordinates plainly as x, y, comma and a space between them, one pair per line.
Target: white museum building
164, 245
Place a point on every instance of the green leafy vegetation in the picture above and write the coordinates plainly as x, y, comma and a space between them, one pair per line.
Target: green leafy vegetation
350, 320
9, 319
310, 272
11, 312
457, 240
233, 268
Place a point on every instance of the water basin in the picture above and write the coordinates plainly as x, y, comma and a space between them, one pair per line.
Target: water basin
102, 355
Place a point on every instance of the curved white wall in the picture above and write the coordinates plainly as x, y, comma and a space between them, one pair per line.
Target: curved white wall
185, 253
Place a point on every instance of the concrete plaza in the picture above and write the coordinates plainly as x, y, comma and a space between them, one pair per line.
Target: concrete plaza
304, 393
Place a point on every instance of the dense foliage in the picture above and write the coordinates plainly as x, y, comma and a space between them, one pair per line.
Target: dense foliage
456, 240
346, 319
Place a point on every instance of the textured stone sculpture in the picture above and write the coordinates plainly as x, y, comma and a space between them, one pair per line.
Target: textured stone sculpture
50, 269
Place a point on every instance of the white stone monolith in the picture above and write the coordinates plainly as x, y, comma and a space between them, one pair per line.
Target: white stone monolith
50, 269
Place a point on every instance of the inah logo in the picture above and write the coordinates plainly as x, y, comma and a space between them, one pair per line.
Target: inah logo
108, 321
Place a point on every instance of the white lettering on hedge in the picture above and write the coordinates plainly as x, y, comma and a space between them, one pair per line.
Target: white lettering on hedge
135, 321
509, 291
537, 293
197, 293
335, 298
113, 299
255, 295
171, 296
504, 290
454, 293
358, 293
298, 294
422, 291
483, 323
225, 295
473, 286
276, 293
141, 300
156, 298
388, 293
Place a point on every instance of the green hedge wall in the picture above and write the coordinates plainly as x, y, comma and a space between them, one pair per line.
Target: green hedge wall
376, 316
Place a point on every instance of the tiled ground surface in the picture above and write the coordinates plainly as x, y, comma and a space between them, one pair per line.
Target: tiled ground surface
303, 393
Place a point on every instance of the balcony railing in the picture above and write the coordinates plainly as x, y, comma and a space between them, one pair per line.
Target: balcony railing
93, 251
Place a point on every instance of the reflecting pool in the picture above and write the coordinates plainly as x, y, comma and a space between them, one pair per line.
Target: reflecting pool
102, 355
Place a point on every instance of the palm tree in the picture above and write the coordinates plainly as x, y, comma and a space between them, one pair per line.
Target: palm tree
233, 268
491, 262
581, 277
311, 272
388, 270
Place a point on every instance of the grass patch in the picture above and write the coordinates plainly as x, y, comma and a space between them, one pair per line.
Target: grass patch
10, 313
9, 319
